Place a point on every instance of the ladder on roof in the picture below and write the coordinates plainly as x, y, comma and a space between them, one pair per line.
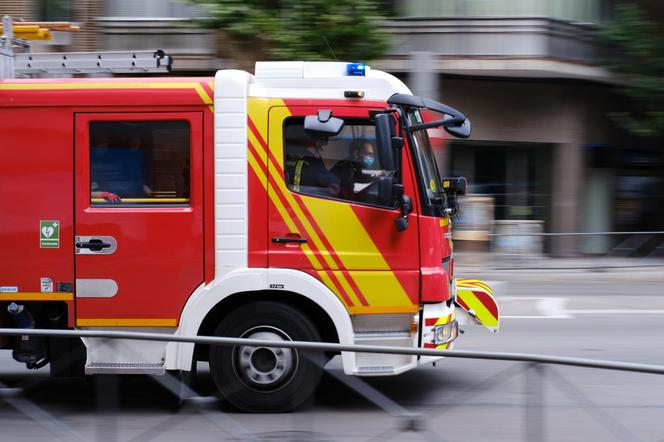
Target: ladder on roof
18, 34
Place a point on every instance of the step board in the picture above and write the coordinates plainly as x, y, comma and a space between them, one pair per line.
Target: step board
124, 368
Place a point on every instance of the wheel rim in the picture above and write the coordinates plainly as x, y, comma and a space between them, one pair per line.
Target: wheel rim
265, 368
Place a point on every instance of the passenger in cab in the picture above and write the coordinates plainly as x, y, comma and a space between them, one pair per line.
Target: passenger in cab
306, 171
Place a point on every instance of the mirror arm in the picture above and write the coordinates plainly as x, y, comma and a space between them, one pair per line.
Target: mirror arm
448, 122
406, 204
451, 208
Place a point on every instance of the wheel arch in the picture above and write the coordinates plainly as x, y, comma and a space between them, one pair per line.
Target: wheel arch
308, 307
296, 288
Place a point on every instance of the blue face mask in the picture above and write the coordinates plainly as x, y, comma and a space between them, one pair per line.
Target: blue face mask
367, 161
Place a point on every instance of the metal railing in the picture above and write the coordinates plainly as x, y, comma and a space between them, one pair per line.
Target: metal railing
620, 249
537, 370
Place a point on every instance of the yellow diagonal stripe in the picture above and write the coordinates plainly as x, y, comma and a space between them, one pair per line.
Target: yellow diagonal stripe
358, 252
257, 169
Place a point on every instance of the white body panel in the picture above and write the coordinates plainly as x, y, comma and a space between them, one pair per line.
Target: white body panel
230, 171
179, 355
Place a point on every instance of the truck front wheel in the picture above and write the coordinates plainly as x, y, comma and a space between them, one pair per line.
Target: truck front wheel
266, 379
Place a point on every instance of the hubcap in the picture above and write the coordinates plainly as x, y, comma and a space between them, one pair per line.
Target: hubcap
265, 368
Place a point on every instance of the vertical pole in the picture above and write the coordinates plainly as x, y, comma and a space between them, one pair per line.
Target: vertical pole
107, 407
566, 197
6, 49
534, 404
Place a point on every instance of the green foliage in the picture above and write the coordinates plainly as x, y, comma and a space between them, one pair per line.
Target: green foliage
638, 57
301, 29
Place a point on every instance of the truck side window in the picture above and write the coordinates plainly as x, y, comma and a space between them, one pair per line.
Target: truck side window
346, 167
139, 163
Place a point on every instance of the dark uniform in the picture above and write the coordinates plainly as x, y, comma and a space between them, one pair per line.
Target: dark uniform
307, 173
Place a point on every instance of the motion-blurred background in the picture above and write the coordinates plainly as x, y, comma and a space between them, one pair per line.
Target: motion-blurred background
566, 97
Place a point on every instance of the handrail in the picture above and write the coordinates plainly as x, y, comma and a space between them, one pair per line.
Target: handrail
464, 354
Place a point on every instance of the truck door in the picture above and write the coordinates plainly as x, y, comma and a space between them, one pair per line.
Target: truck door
325, 218
138, 217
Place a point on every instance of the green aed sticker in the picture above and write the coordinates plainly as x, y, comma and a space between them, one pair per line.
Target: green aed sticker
49, 234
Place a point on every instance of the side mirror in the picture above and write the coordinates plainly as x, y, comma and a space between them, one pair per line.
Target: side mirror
455, 185
322, 126
462, 131
384, 141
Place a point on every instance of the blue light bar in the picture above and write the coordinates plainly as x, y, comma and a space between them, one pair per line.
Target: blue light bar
358, 69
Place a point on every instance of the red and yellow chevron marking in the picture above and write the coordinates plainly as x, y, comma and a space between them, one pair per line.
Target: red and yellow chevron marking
431, 322
375, 288
476, 296
463, 282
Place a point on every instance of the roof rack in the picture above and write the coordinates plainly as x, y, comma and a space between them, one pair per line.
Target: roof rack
18, 35
92, 62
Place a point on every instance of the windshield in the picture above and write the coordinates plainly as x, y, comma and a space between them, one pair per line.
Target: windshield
425, 159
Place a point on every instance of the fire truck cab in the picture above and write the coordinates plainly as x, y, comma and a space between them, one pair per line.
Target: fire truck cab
302, 202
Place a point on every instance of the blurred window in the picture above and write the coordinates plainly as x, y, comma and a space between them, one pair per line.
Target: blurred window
425, 156
55, 10
139, 163
151, 8
589, 11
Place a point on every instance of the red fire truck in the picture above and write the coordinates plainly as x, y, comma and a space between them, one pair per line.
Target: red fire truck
301, 202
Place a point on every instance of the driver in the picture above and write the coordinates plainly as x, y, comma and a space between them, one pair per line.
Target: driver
356, 168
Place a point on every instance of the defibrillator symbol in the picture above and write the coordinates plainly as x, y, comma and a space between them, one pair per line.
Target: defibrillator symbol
49, 234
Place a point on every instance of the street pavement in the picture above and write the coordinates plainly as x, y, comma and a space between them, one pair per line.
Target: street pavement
613, 314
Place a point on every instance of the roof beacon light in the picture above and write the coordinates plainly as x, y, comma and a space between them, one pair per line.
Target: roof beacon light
356, 69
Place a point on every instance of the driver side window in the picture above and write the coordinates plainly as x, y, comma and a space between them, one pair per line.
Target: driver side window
346, 167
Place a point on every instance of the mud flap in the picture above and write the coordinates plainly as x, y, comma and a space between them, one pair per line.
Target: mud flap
477, 299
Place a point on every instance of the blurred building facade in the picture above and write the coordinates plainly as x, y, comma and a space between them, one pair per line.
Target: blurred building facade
527, 73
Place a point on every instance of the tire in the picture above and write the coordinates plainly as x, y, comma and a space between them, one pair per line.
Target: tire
266, 379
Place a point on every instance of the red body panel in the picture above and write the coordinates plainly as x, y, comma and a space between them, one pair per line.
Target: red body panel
434, 247
37, 183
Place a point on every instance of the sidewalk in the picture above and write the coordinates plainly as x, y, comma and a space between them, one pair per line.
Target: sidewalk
501, 267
